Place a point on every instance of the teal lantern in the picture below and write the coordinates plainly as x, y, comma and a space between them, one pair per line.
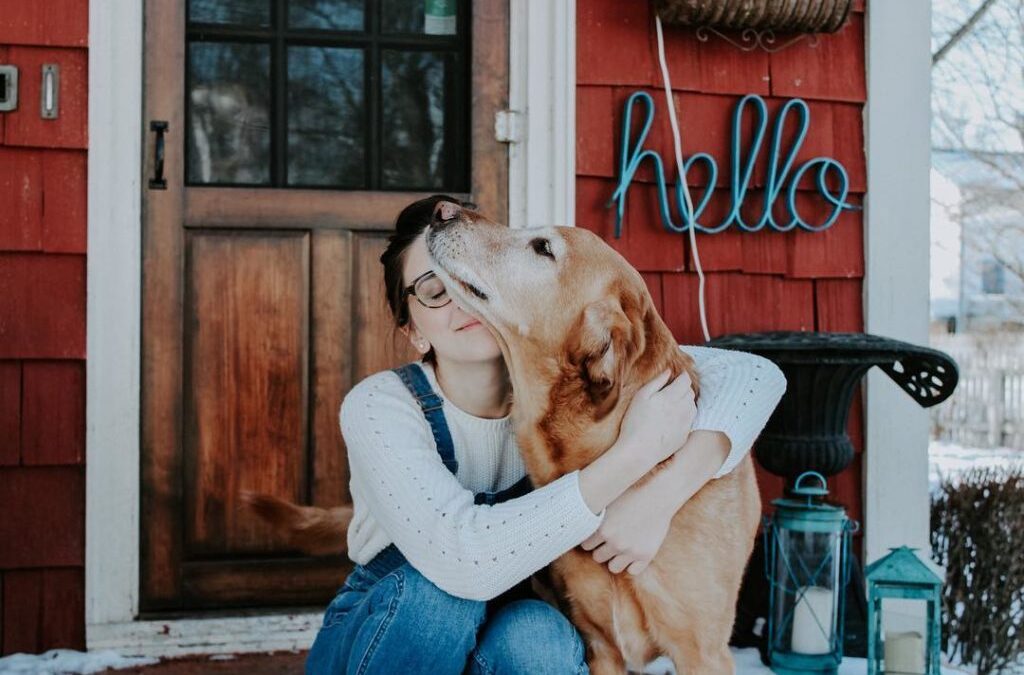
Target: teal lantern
807, 545
902, 575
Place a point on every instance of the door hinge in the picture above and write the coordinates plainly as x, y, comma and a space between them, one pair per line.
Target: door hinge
508, 126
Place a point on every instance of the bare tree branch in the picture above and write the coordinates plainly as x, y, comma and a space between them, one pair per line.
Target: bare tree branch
963, 30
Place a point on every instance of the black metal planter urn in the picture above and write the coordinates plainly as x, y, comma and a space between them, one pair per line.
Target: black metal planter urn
807, 431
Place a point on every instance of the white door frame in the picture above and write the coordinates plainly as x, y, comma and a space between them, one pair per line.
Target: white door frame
542, 72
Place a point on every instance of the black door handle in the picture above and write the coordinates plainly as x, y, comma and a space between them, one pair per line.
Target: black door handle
157, 182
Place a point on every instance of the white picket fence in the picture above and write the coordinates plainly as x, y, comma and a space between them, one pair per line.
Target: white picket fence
987, 408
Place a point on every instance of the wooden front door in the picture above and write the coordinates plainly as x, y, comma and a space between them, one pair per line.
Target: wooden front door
295, 131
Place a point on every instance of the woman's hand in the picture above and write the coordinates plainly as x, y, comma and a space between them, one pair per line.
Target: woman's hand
656, 424
636, 523
634, 527
658, 420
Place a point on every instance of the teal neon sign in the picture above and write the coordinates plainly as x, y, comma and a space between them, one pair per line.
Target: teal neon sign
779, 167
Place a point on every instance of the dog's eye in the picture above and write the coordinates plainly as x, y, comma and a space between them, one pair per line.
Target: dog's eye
542, 247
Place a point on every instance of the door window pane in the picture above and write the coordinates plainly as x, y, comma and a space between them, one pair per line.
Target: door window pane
413, 87
241, 12
430, 17
326, 130
340, 94
228, 113
326, 14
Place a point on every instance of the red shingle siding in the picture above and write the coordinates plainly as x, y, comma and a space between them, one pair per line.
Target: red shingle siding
755, 281
42, 331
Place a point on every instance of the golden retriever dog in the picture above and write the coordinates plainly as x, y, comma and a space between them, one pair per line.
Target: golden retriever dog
580, 335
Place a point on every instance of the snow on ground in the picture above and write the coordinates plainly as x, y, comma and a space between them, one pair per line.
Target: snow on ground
951, 459
59, 661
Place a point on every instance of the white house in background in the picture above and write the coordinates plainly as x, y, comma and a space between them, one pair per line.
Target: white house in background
944, 281
977, 209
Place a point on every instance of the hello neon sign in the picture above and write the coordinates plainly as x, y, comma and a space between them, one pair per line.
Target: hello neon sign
634, 152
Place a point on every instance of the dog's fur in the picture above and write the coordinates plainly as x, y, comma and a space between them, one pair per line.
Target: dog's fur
580, 335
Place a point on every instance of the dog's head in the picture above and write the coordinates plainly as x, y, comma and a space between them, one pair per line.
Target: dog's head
559, 300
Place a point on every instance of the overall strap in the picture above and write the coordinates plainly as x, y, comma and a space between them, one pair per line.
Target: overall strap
416, 381
522, 487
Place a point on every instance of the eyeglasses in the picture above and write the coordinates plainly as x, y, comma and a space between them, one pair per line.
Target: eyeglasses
429, 291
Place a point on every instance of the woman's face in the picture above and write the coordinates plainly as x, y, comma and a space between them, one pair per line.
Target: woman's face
454, 334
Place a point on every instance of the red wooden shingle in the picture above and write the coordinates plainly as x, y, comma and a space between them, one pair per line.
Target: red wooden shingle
840, 305
765, 252
53, 413
833, 70
737, 303
848, 140
42, 306
63, 604
25, 126
722, 252
613, 43
22, 611
21, 193
63, 23
595, 132
653, 281
835, 252
714, 66
44, 517
10, 412
64, 204
644, 242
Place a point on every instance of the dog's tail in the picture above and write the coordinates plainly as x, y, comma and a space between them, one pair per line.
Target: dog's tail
311, 529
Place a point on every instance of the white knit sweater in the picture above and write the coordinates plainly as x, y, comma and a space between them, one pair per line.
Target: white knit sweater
403, 494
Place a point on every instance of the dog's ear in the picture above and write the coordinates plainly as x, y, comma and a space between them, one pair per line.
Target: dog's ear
445, 211
602, 350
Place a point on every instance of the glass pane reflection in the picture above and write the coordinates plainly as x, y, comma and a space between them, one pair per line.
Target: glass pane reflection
326, 14
325, 117
430, 17
242, 12
413, 111
228, 131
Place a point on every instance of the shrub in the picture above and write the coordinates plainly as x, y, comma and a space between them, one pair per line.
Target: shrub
977, 533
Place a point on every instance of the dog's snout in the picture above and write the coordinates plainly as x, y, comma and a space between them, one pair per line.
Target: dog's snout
445, 213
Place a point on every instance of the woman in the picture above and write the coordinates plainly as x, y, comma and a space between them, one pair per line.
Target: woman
446, 527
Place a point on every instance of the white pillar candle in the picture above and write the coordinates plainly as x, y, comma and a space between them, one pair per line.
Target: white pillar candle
904, 653
812, 621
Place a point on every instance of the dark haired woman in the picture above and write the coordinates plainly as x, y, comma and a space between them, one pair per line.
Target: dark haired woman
446, 527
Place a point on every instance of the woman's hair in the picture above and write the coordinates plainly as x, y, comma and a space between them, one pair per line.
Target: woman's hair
410, 224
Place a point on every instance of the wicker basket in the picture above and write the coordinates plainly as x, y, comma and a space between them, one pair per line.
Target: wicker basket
783, 16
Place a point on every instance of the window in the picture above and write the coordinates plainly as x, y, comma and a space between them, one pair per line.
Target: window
993, 277
340, 94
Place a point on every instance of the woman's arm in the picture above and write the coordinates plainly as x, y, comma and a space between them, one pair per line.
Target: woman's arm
739, 392
469, 550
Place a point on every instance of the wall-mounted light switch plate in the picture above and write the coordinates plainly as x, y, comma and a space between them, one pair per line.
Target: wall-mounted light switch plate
8, 88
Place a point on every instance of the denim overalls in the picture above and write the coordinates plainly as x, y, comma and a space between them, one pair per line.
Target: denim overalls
431, 404
380, 619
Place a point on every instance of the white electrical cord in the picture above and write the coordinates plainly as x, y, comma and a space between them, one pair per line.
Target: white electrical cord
687, 202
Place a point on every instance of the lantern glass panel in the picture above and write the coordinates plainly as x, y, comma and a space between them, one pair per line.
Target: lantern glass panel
806, 572
904, 632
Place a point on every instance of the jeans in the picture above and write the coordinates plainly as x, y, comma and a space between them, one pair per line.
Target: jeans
400, 622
